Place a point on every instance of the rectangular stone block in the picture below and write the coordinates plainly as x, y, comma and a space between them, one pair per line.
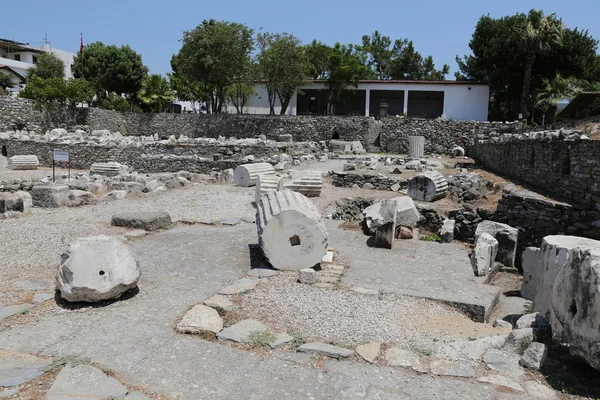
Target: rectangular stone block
50, 196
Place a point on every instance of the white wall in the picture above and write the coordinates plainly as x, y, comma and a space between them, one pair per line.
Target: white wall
66, 57
259, 104
463, 102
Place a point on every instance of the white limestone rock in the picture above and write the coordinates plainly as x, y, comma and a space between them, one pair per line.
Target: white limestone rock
50, 196
96, 268
406, 213
428, 186
447, 231
531, 264
200, 318
24, 162
484, 254
507, 238
245, 175
291, 231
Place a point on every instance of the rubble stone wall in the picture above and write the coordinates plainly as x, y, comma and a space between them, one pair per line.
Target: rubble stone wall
570, 169
376, 181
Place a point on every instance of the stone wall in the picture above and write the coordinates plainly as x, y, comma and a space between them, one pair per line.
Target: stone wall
569, 169
368, 181
440, 135
20, 114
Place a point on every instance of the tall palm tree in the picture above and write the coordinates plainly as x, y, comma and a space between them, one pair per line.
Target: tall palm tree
155, 92
553, 91
539, 34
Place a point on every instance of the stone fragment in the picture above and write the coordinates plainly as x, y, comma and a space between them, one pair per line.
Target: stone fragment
326, 349
469, 349
308, 183
136, 396
458, 151
146, 220
397, 357
506, 236
307, 276
500, 323
240, 286
349, 167
328, 258
452, 368
539, 391
115, 195
386, 231
535, 356
23, 162
230, 221
19, 202
218, 301
84, 382
501, 381
520, 339
427, 186
262, 273
246, 174
404, 232
265, 184
535, 321
135, 234
200, 318
531, 265
80, 197
107, 169
396, 170
447, 231
19, 368
503, 362
484, 254
9, 311
50, 195
291, 231
151, 186
227, 175
240, 332
41, 297
280, 340
95, 269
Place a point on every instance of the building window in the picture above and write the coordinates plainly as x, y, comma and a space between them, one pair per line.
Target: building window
34, 59
17, 57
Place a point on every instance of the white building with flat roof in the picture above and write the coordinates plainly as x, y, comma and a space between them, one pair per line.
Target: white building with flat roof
17, 58
458, 100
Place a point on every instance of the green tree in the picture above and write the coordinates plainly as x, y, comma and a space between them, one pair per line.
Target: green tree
283, 65
185, 88
155, 92
344, 69
79, 91
409, 64
318, 54
46, 93
110, 69
213, 54
239, 93
553, 91
538, 34
5, 83
499, 59
379, 53
48, 66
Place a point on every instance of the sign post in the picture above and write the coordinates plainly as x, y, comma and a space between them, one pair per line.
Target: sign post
61, 155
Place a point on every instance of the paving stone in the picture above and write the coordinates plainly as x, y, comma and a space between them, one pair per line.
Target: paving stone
147, 220
239, 286
230, 221
4, 394
262, 273
469, 349
19, 368
41, 297
369, 352
138, 233
504, 363
539, 391
520, 339
501, 381
452, 368
364, 291
280, 340
84, 382
200, 318
326, 349
535, 356
240, 332
9, 311
136, 396
397, 357
218, 301
205, 221
34, 285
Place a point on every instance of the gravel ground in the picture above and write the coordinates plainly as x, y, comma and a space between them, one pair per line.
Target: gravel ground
349, 318
30, 246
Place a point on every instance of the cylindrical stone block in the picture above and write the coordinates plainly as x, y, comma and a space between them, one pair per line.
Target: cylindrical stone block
246, 174
265, 184
290, 230
23, 162
416, 146
428, 186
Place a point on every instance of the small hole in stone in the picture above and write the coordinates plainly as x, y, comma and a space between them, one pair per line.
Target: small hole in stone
295, 240
573, 308
101, 272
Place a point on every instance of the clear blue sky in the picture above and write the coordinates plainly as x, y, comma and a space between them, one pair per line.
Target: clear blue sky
441, 28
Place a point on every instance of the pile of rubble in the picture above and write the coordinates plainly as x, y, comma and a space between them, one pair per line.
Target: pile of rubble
467, 187
559, 134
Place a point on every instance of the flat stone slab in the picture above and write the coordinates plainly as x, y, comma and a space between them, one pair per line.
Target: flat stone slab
369, 352
84, 382
326, 349
397, 357
218, 301
200, 318
34, 285
9, 311
504, 363
415, 268
135, 234
136, 396
469, 349
240, 332
280, 340
539, 391
502, 381
41, 297
230, 221
19, 368
262, 273
146, 220
452, 368
239, 286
